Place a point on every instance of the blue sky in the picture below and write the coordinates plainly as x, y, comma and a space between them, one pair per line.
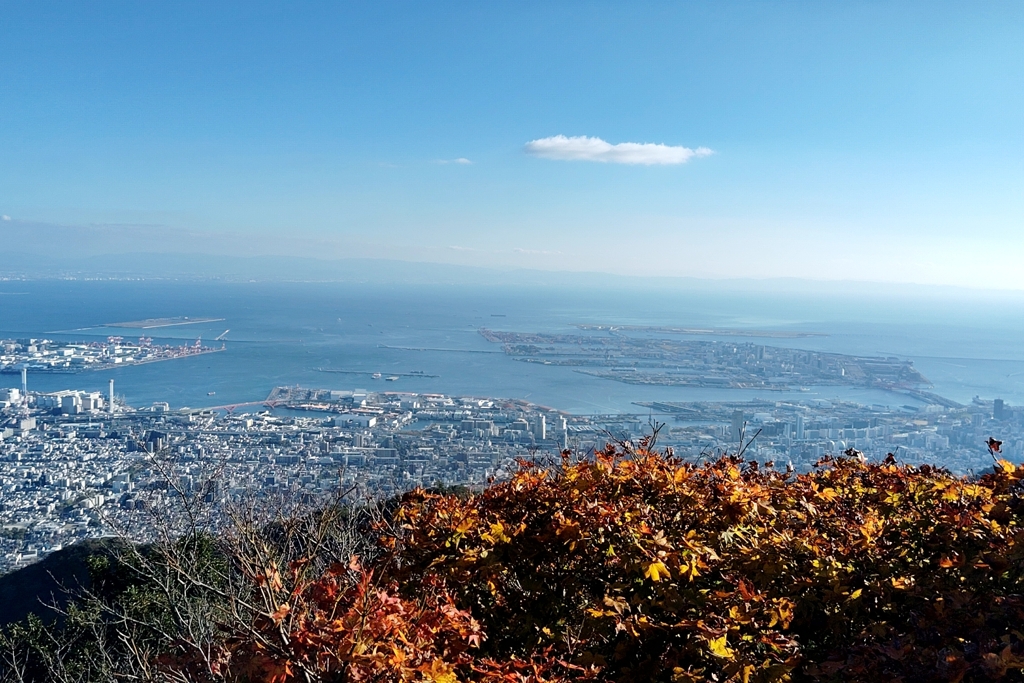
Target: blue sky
859, 140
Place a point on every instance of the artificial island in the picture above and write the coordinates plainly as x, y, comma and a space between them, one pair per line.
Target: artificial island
47, 356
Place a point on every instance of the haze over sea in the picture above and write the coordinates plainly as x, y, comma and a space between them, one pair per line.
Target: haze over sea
967, 344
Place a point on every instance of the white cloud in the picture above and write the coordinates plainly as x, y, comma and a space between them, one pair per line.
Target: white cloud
583, 148
6, 217
460, 160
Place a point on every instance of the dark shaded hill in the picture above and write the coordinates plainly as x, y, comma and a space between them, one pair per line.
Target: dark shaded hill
31, 589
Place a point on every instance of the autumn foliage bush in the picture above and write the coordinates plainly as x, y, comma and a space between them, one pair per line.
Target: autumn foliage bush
637, 566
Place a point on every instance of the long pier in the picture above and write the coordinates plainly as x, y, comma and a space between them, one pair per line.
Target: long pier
371, 373
425, 348
153, 323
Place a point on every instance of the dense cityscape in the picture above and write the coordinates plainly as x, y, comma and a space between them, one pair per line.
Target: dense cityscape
80, 464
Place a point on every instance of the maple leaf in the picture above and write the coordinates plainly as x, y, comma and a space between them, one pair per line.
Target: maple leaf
782, 612
281, 612
655, 570
720, 648
828, 494
691, 568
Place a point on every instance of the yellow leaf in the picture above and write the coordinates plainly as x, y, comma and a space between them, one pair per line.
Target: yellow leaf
871, 529
440, 672
719, 648
690, 568
498, 532
655, 570
782, 612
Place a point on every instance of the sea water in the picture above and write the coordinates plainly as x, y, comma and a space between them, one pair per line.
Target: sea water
285, 333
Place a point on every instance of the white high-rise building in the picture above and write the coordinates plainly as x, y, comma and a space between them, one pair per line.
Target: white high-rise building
540, 428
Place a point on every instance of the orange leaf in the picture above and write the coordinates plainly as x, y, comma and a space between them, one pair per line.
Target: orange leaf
281, 613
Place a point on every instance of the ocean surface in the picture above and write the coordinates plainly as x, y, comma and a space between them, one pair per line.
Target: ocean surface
281, 333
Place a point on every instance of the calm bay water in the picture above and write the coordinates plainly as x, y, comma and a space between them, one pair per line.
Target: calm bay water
281, 333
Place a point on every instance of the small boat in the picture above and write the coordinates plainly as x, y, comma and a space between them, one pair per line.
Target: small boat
392, 378
211, 393
375, 375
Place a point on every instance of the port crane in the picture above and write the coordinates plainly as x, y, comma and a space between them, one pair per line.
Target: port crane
222, 335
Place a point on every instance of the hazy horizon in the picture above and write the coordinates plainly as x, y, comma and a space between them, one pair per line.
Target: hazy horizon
115, 251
